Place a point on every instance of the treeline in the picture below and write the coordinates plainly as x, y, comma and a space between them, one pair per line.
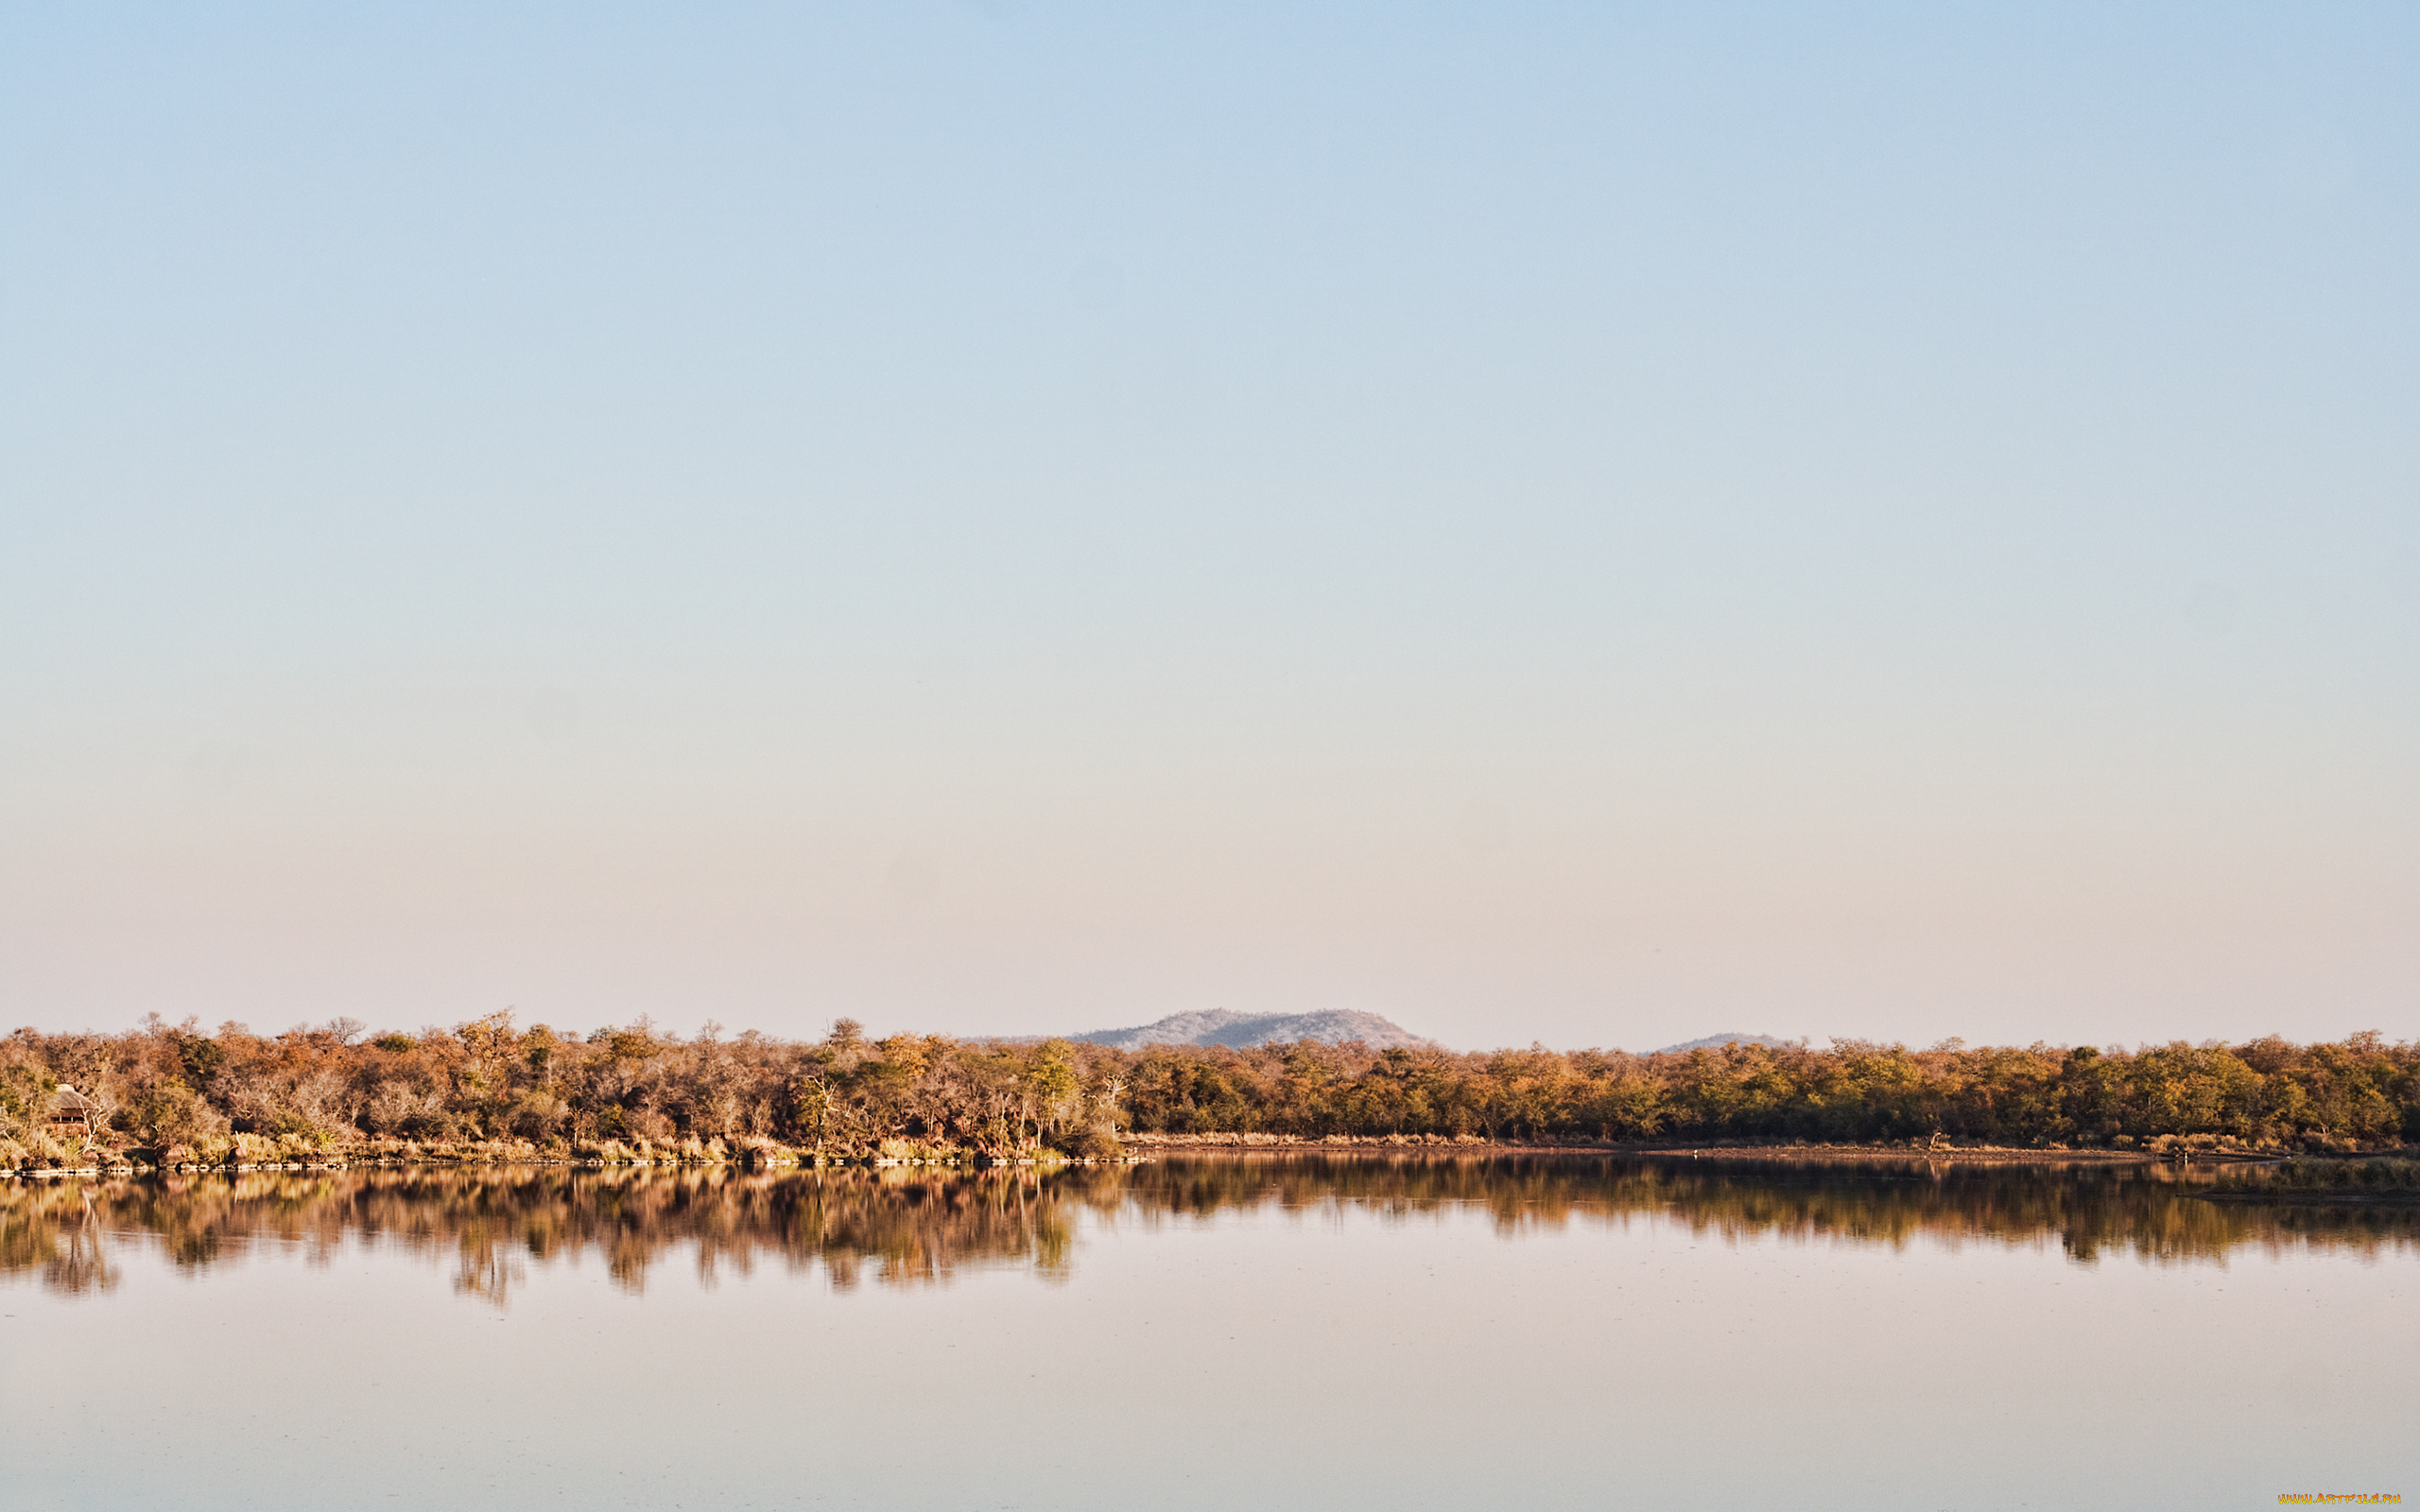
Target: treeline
177, 1094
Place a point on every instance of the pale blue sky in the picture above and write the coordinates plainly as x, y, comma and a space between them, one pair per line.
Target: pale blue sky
1584, 524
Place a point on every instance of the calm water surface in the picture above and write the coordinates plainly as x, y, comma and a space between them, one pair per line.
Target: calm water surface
1266, 1332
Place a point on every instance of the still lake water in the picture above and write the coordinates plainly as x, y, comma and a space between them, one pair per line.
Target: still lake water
1281, 1332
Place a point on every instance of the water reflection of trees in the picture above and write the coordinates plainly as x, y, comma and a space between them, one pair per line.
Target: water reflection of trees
2090, 1209
908, 1227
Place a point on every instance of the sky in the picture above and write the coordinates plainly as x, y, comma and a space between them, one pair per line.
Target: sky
1592, 524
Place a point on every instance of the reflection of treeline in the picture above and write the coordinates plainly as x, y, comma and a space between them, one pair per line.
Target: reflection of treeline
906, 1225
2088, 1208
2310, 1174
492, 1221
193, 1095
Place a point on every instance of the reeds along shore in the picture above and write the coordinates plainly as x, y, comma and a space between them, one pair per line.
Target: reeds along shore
174, 1094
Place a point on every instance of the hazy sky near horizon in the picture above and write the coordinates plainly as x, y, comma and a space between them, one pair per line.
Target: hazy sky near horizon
1586, 523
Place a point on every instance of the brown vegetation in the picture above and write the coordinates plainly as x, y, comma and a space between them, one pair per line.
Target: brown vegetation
179, 1095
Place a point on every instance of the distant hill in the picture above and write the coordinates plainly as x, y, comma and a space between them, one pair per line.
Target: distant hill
1716, 1042
1225, 1026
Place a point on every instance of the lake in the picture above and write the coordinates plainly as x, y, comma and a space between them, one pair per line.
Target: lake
1258, 1331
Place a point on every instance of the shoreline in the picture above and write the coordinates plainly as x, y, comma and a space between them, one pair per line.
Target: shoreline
1150, 1147
1432, 1146
2316, 1197
1156, 1146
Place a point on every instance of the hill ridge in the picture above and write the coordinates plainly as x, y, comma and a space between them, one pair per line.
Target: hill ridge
1225, 1026
1716, 1042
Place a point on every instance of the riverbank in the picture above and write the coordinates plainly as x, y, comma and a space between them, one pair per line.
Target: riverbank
1724, 1150
253, 1153
2313, 1198
1139, 1149
296, 1155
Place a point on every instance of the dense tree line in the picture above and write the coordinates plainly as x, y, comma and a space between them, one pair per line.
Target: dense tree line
2359, 1092
636, 1093
618, 1093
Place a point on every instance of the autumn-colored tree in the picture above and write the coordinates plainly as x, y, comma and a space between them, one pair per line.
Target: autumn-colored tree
635, 1090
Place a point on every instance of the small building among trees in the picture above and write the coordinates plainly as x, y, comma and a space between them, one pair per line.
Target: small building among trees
71, 1112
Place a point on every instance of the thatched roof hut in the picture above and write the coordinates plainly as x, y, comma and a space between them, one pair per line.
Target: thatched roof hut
72, 1110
